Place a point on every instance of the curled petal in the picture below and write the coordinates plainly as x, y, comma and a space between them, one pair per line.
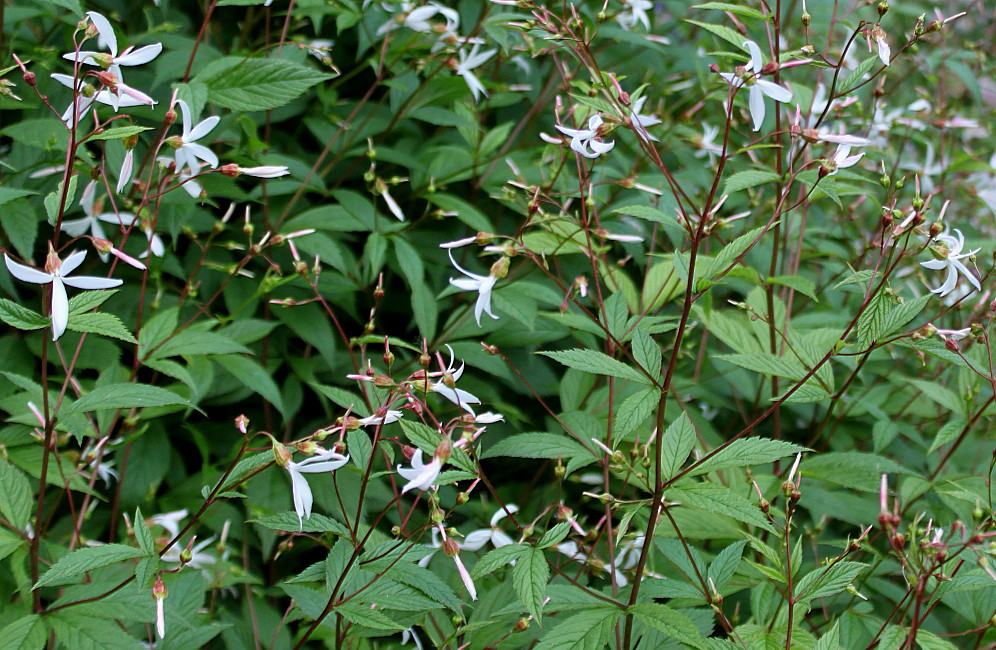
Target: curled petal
105, 30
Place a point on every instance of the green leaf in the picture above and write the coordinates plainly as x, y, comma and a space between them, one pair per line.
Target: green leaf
805, 286
635, 409
81, 632
15, 496
27, 633
669, 622
854, 469
555, 535
52, 200
725, 565
8, 194
86, 559
20, 224
538, 445
529, 577
745, 452
733, 9
497, 558
20, 317
118, 132
596, 363
428, 439
101, 323
647, 353
732, 37
716, 498
939, 395
426, 582
71, 5
361, 614
195, 342
679, 438
252, 375
827, 581
83, 302
142, 534
123, 395
647, 213
729, 255
947, 433
287, 521
767, 364
857, 75
589, 630
749, 178
257, 84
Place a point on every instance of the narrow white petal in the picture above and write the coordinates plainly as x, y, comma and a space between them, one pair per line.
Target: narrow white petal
140, 56
201, 152
757, 106
105, 30
206, 126
476, 540
303, 499
87, 282
72, 262
510, 508
756, 63
60, 309
26, 273
774, 91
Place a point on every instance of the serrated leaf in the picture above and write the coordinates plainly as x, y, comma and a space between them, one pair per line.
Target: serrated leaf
142, 533
362, 614
529, 578
669, 622
537, 445
729, 254
746, 452
345, 398
257, 84
497, 558
315, 524
725, 565
596, 363
196, 342
767, 363
939, 395
654, 215
555, 535
83, 302
15, 495
732, 37
647, 353
101, 323
679, 439
947, 433
123, 395
118, 132
857, 75
827, 581
712, 497
854, 469
86, 559
635, 409
750, 178
589, 630
858, 277
733, 9
21, 317
426, 582
27, 633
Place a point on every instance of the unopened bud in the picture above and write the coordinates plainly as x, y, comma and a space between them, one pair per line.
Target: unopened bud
30, 79
383, 381
280, 453
935, 230
462, 498
170, 117
806, 18
521, 625
443, 450
883, 8
451, 547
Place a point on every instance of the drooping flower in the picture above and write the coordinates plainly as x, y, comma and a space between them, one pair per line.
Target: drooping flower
159, 593
758, 87
466, 65
587, 141
57, 272
949, 255
187, 149
884, 51
482, 284
451, 548
263, 171
447, 386
419, 475
477, 539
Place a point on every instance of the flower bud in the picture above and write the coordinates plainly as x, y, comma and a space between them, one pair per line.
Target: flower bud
280, 453
883, 8
806, 18
521, 625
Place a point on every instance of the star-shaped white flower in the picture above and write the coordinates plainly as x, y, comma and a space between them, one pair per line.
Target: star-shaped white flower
419, 475
641, 122
81, 103
586, 141
482, 284
469, 61
884, 51
635, 13
447, 386
187, 149
842, 159
57, 273
130, 56
303, 498
951, 248
476, 540
758, 87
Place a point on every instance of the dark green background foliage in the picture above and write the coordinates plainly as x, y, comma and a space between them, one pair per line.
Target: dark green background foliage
738, 391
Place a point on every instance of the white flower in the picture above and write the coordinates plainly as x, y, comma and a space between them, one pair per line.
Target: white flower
758, 87
640, 122
91, 222
635, 13
161, 617
482, 284
81, 103
586, 141
303, 499
127, 220
392, 205
130, 56
436, 545
476, 540
453, 551
127, 169
489, 418
470, 61
264, 171
417, 19
707, 145
187, 149
419, 475
951, 248
56, 273
884, 51
199, 558
447, 387
628, 557
387, 418
170, 521
410, 634
842, 159
824, 135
